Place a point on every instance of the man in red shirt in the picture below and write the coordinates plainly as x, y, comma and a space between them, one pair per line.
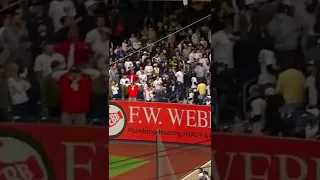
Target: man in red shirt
75, 92
133, 91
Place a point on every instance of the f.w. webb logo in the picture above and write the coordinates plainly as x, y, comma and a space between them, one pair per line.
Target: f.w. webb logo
21, 157
117, 120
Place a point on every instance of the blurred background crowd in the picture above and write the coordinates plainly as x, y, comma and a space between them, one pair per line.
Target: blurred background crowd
63, 59
264, 70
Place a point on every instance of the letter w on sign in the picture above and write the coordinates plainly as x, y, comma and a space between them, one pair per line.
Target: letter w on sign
27, 170
114, 118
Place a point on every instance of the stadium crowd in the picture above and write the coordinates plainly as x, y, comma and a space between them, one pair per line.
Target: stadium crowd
63, 59
163, 61
266, 52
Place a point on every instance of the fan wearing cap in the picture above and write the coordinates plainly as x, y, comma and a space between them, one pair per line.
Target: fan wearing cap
75, 93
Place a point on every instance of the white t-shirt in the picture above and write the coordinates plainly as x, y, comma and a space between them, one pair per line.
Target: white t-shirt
179, 76
266, 58
58, 9
93, 36
128, 65
18, 91
195, 38
258, 107
222, 48
124, 80
138, 73
191, 57
148, 70
157, 84
193, 81
43, 63
148, 94
115, 90
143, 78
124, 46
136, 45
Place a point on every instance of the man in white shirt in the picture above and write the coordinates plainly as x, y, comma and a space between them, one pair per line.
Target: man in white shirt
124, 80
136, 44
222, 46
128, 64
191, 56
267, 62
157, 84
142, 77
196, 37
148, 69
179, 75
94, 35
124, 45
43, 62
59, 9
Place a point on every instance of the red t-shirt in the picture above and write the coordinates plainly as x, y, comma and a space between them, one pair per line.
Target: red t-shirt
75, 101
133, 91
81, 51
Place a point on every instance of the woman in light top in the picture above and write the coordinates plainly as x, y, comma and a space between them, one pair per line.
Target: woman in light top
18, 86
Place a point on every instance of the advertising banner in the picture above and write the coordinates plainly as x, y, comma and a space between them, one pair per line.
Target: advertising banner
179, 123
53, 152
267, 158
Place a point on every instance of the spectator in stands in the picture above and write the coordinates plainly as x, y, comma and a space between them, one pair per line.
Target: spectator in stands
51, 96
16, 38
222, 44
291, 85
18, 85
43, 62
75, 91
133, 91
95, 34
286, 31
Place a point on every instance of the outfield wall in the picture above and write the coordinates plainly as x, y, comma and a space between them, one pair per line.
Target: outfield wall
176, 123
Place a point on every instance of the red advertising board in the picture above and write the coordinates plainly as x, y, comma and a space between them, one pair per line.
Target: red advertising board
243, 157
180, 123
53, 152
